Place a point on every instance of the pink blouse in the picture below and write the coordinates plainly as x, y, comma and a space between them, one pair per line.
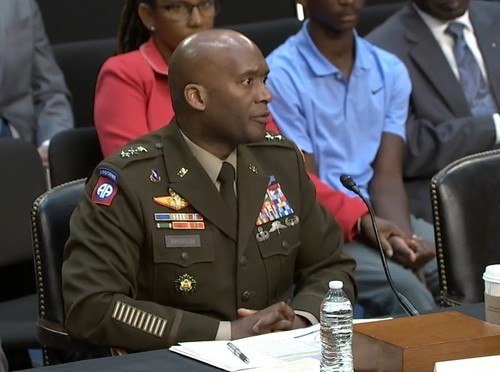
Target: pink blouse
132, 97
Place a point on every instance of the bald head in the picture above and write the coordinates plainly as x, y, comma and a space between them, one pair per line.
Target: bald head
200, 58
218, 87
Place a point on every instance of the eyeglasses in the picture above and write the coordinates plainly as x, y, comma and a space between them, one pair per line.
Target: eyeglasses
180, 10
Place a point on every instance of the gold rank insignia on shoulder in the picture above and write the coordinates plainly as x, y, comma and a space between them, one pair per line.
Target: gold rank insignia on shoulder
173, 201
185, 284
133, 151
273, 137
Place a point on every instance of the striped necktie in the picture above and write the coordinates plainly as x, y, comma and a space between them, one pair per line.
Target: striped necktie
475, 88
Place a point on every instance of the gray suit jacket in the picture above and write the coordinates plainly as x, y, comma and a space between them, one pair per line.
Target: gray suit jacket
440, 128
34, 98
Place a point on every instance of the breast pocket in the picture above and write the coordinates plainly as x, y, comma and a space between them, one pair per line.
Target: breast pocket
278, 246
183, 262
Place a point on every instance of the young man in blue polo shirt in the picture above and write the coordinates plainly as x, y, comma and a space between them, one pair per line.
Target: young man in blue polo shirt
345, 103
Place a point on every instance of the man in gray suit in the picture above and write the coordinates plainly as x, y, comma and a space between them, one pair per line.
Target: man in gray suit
34, 99
451, 114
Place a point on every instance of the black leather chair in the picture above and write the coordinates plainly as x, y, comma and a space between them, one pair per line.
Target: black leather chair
73, 154
376, 14
80, 63
50, 231
268, 35
466, 208
23, 180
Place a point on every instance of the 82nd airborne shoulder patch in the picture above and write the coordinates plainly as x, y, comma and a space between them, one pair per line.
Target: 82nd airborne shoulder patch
104, 192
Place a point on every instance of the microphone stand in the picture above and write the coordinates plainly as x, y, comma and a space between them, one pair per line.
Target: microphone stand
407, 306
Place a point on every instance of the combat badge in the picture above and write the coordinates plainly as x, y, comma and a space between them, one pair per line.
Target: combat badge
174, 201
185, 284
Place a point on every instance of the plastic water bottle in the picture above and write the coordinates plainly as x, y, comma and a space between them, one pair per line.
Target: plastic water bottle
336, 330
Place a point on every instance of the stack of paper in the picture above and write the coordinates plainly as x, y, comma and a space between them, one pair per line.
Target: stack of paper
295, 350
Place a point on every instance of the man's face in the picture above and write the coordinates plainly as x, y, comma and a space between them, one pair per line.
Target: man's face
445, 10
337, 15
236, 110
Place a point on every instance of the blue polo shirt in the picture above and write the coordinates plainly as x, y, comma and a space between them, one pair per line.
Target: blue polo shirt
339, 121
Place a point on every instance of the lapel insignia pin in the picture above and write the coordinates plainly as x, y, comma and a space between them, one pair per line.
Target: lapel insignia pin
182, 172
155, 175
173, 201
185, 284
253, 168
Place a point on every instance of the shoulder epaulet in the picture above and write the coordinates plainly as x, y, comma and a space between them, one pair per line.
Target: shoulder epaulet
136, 152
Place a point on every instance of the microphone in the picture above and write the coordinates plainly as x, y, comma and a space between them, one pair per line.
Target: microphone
407, 306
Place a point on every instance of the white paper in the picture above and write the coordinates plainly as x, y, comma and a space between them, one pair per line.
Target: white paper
483, 364
269, 350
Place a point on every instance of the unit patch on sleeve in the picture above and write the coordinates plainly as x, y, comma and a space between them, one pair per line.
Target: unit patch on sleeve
104, 192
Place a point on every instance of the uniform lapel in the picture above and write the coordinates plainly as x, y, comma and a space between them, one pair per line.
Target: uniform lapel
486, 30
428, 56
188, 178
251, 185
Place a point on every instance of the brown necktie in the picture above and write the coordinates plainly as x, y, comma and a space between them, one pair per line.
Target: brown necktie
226, 178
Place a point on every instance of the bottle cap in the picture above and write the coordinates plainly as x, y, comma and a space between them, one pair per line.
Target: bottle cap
335, 284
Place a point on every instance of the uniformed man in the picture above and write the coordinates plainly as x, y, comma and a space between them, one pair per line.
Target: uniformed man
206, 229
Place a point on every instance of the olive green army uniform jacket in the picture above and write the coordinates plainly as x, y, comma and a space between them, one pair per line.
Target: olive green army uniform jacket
153, 259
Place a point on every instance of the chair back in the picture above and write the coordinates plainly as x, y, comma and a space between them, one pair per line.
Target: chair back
73, 154
23, 180
80, 63
466, 210
50, 230
374, 15
268, 35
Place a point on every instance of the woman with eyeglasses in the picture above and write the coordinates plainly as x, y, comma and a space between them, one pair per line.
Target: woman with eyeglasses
132, 92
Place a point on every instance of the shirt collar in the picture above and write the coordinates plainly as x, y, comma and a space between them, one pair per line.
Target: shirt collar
317, 61
209, 162
153, 57
439, 26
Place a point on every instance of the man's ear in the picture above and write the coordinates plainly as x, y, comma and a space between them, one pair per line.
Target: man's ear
196, 97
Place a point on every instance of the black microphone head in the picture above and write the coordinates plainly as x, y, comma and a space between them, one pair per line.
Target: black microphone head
348, 182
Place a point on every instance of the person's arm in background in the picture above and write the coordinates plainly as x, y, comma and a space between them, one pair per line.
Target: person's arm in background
50, 95
387, 192
120, 105
431, 146
345, 209
350, 213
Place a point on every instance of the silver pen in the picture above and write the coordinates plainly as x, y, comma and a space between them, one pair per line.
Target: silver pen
234, 349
